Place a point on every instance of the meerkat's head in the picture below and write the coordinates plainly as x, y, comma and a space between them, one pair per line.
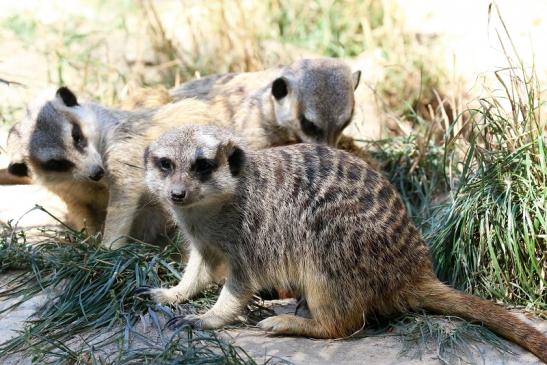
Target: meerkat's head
56, 141
314, 99
193, 165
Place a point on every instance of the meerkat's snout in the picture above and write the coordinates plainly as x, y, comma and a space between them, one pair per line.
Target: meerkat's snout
177, 195
96, 173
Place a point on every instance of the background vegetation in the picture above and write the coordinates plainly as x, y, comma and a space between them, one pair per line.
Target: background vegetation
471, 168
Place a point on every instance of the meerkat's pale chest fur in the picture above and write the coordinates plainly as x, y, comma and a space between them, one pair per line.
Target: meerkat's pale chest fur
306, 217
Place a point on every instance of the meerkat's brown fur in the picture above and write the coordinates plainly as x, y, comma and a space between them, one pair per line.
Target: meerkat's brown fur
306, 217
146, 97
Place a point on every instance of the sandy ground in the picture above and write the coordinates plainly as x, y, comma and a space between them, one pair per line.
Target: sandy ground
382, 349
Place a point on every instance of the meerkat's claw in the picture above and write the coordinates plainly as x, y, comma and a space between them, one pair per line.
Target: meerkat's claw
142, 291
191, 320
176, 322
202, 322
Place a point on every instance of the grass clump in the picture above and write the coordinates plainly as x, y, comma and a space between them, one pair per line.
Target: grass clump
91, 314
479, 194
452, 339
490, 237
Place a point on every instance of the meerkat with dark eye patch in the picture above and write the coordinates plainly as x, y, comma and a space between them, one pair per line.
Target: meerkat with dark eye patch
310, 100
61, 151
61, 143
306, 217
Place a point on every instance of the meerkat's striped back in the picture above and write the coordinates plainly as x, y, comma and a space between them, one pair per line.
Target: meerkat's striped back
325, 204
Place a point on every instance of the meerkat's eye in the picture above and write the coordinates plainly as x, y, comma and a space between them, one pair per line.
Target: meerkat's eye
80, 141
165, 164
310, 128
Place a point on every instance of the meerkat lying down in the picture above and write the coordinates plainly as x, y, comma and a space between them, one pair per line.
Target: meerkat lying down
61, 140
306, 217
62, 152
309, 100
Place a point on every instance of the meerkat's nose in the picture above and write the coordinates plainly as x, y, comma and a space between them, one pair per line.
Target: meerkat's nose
97, 173
178, 195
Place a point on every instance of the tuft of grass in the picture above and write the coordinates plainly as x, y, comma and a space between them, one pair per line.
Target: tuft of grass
490, 237
414, 165
451, 338
91, 314
479, 193
330, 28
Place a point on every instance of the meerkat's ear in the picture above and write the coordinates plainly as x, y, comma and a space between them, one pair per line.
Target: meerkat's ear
280, 88
67, 96
356, 78
234, 155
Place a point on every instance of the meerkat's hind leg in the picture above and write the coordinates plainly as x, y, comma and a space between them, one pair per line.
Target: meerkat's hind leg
291, 325
329, 311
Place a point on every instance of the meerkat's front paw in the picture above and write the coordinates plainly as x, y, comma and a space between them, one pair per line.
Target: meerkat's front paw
204, 321
161, 295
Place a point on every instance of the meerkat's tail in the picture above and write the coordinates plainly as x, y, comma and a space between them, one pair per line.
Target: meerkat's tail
8, 179
439, 298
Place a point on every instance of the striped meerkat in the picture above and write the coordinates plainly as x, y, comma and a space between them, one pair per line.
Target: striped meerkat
306, 217
310, 100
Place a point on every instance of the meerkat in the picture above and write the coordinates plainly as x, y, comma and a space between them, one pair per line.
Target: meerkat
310, 100
60, 144
306, 217
62, 153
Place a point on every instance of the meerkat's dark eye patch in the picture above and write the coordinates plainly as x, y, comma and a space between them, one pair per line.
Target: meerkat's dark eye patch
18, 169
78, 138
310, 128
280, 88
204, 167
58, 165
164, 164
